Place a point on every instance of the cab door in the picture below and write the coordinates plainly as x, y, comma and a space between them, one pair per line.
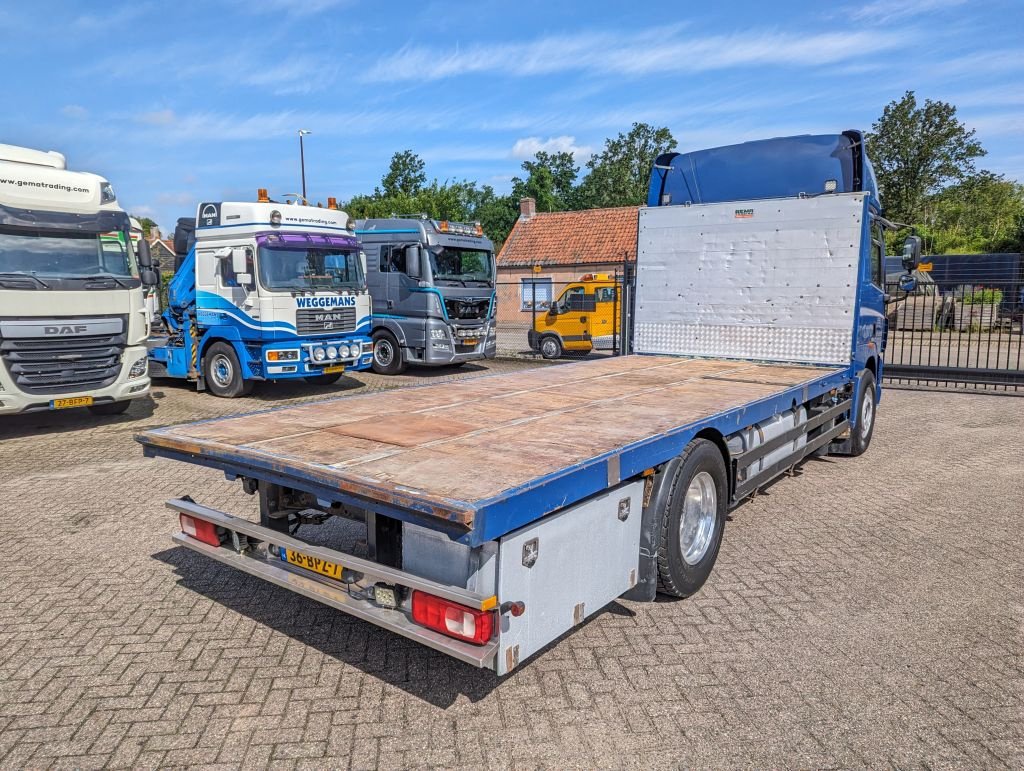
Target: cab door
572, 322
603, 321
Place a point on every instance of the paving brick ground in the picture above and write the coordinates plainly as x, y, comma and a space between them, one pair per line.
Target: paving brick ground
868, 612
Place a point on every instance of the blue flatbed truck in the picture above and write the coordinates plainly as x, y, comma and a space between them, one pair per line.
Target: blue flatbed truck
503, 510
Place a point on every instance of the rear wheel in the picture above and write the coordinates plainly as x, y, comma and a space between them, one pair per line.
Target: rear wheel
550, 347
323, 380
387, 354
109, 408
223, 372
693, 520
866, 404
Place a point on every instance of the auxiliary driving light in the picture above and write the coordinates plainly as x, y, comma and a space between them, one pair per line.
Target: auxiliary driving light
332, 352
319, 354
343, 351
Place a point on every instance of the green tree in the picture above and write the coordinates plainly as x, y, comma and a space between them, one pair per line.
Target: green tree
619, 174
983, 213
405, 175
147, 225
916, 151
550, 180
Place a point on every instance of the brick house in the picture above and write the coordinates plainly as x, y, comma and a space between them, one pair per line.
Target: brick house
162, 249
546, 250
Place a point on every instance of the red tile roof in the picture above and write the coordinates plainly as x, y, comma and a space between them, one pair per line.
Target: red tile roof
588, 237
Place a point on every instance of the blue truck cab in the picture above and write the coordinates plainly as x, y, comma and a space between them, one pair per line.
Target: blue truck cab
264, 291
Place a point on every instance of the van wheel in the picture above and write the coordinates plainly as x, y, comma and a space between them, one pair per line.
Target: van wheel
387, 354
109, 408
693, 520
223, 372
550, 347
866, 405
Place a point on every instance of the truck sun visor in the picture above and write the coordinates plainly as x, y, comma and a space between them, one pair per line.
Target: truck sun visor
98, 222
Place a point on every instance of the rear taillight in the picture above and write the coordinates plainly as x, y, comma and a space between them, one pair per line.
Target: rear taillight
200, 529
452, 619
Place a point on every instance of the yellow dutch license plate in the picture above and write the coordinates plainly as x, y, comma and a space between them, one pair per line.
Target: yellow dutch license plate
335, 368
74, 401
317, 565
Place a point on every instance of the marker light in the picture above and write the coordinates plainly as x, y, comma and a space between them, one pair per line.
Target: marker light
831, 185
332, 203
275, 217
261, 195
452, 619
351, 224
199, 529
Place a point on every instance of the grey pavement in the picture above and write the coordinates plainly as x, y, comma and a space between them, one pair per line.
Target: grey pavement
867, 612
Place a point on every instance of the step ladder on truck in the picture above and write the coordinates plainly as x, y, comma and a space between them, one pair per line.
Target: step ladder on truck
503, 510
264, 291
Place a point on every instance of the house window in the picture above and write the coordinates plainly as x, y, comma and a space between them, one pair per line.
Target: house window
534, 292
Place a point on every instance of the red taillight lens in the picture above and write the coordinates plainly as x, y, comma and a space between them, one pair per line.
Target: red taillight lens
200, 529
452, 619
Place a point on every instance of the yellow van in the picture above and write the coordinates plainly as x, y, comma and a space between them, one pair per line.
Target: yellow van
583, 319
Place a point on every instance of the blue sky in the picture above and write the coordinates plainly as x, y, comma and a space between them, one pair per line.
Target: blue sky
188, 101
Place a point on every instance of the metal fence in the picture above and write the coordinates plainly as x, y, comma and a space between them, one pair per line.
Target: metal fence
955, 335
594, 322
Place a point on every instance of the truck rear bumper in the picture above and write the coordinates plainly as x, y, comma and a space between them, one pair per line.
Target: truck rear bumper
13, 401
250, 548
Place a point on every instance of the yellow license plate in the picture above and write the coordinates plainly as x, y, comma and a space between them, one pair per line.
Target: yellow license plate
317, 565
335, 368
74, 401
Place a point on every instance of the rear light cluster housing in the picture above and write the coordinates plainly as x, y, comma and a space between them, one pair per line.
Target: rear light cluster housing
452, 619
199, 529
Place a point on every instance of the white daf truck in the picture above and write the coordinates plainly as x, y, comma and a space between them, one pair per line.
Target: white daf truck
72, 312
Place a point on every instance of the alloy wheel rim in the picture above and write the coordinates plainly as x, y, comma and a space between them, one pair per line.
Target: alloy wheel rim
697, 522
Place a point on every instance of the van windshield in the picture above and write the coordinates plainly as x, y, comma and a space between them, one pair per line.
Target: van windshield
65, 254
323, 268
465, 267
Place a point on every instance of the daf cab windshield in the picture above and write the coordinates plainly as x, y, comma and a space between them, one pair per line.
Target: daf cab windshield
289, 269
65, 254
461, 267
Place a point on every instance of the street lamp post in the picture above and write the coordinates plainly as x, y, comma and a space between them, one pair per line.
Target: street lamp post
302, 161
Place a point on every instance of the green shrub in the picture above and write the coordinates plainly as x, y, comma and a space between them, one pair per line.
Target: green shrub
981, 296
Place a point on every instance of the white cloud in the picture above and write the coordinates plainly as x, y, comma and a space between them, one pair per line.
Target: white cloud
158, 118
884, 11
527, 147
648, 52
74, 111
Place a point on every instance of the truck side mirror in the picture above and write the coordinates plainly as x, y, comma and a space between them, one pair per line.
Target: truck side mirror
553, 310
911, 252
239, 263
145, 256
413, 262
244, 279
907, 283
149, 277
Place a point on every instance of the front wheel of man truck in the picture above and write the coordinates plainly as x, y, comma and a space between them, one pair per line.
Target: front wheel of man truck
387, 354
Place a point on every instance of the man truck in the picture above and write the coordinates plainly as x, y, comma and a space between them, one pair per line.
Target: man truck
501, 511
432, 283
72, 313
264, 291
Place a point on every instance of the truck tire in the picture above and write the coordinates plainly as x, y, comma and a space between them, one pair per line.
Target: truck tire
387, 354
693, 520
866, 403
109, 408
323, 380
550, 347
223, 372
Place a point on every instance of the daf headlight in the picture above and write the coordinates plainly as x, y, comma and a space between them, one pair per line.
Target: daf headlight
332, 352
139, 368
319, 354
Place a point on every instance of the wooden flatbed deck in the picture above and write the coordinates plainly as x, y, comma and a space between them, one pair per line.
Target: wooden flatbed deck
450, 450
